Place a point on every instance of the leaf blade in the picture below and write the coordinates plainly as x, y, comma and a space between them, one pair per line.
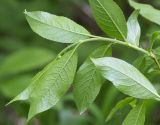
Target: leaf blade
118, 106
56, 28
155, 36
88, 81
136, 116
134, 31
49, 85
147, 11
126, 78
106, 13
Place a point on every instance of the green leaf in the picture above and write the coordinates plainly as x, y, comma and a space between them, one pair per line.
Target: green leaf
134, 30
147, 11
88, 81
126, 78
25, 60
119, 106
136, 116
56, 28
140, 63
144, 64
155, 36
153, 75
50, 85
19, 83
110, 18
157, 52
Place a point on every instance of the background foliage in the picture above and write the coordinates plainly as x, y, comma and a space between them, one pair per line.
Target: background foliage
25, 53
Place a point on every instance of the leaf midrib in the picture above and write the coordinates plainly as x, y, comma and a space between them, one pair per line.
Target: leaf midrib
112, 20
138, 114
87, 35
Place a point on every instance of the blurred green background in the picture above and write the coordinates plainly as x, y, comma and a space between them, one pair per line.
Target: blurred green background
23, 53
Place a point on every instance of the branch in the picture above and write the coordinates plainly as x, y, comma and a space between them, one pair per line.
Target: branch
115, 41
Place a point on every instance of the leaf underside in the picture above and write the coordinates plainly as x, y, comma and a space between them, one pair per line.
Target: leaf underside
147, 11
126, 78
134, 31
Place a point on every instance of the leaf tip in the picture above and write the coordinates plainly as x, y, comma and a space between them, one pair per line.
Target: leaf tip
158, 98
25, 11
10, 102
82, 110
81, 113
107, 119
30, 115
92, 59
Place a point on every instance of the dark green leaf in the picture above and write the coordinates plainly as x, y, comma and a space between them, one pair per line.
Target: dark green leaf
110, 18
147, 11
136, 116
88, 81
153, 75
126, 78
56, 28
134, 30
155, 36
119, 106
25, 60
50, 85
140, 63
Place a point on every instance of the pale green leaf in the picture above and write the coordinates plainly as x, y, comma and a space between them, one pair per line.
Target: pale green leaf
126, 78
25, 60
56, 28
147, 11
119, 106
88, 81
110, 18
134, 30
136, 116
50, 85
